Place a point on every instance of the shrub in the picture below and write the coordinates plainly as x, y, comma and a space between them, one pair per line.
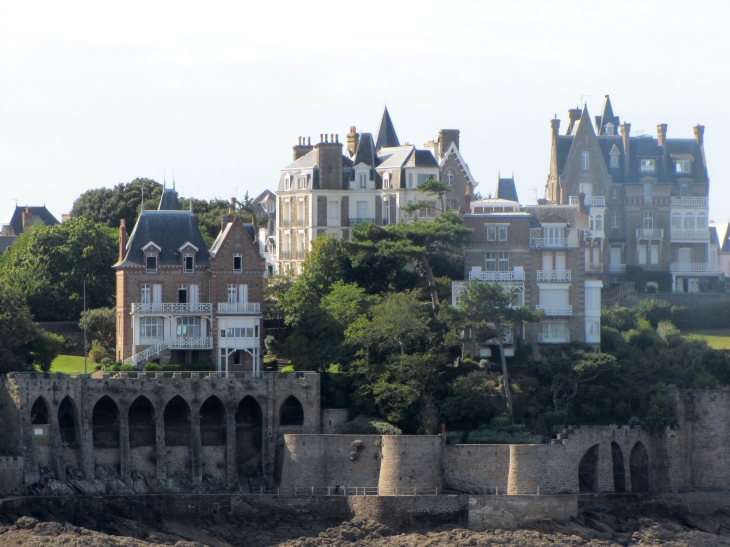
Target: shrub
455, 437
97, 353
204, 366
366, 425
500, 431
660, 413
712, 316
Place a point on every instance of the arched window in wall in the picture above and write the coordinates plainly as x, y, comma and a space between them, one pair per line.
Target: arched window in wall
701, 221
292, 412
689, 221
449, 178
39, 412
676, 221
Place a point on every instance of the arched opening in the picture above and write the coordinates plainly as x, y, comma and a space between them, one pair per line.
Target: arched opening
105, 423
619, 474
639, 462
292, 412
249, 419
177, 422
212, 423
39, 412
142, 427
67, 422
588, 471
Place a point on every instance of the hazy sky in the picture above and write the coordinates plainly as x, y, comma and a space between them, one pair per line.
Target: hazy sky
97, 93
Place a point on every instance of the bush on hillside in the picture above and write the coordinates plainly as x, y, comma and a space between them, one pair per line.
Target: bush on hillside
366, 425
185, 367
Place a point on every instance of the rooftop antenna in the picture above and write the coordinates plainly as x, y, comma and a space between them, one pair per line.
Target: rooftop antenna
582, 100
15, 200
173, 178
534, 190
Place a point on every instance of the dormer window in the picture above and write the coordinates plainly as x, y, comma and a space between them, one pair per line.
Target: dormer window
585, 161
188, 263
362, 179
648, 165
449, 178
683, 166
287, 183
237, 263
610, 129
386, 181
301, 182
151, 262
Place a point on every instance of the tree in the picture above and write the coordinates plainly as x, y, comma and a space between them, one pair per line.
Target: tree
100, 324
22, 343
50, 263
487, 309
435, 188
416, 241
108, 206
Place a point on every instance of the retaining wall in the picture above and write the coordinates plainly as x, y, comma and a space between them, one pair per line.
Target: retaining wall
474, 467
510, 512
411, 462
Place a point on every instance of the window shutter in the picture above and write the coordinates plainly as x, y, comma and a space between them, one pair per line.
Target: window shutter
193, 294
243, 294
157, 293
560, 261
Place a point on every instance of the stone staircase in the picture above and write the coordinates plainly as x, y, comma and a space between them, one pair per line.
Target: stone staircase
612, 298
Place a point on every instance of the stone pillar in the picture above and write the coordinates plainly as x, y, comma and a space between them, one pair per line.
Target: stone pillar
124, 456
195, 457
86, 437
160, 451
231, 456
270, 431
56, 446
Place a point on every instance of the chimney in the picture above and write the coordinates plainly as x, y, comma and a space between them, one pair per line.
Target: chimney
122, 239
232, 206
27, 217
301, 149
555, 126
573, 117
446, 137
468, 196
625, 132
661, 132
353, 139
700, 134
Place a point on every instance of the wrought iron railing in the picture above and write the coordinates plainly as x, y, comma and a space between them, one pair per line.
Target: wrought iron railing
556, 310
172, 307
239, 307
554, 275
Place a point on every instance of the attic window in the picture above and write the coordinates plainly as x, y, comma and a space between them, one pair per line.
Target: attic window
614, 160
609, 129
386, 181
188, 263
363, 181
648, 164
449, 178
237, 263
585, 161
151, 261
287, 183
301, 182
683, 166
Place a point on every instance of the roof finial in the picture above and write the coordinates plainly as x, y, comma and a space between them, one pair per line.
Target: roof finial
143, 198
173, 178
164, 177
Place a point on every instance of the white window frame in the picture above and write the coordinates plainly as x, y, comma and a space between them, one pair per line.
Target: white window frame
654, 254
240, 263
491, 232
615, 220
648, 165
502, 233
585, 160
615, 193
333, 212
191, 269
145, 296
147, 258
647, 220
233, 294
362, 179
449, 178
648, 192
683, 166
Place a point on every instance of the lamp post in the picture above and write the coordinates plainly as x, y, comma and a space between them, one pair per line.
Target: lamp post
85, 322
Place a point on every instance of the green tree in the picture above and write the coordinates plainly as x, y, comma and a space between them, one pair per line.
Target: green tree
415, 241
22, 343
432, 188
108, 206
486, 308
100, 324
50, 263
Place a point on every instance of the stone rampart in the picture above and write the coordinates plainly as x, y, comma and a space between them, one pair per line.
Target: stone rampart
510, 512
333, 419
11, 474
411, 462
477, 468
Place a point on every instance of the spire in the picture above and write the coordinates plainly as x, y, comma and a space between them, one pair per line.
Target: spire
607, 116
386, 132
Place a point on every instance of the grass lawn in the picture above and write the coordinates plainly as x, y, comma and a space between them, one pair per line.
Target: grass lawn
716, 338
70, 364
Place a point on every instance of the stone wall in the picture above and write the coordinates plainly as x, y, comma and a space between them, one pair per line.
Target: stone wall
333, 419
411, 463
475, 467
510, 512
11, 474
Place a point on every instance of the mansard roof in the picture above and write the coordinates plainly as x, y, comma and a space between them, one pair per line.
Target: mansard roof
506, 189
386, 136
169, 201
15, 219
169, 230
365, 152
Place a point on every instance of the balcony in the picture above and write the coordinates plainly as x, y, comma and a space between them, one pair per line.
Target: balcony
590, 201
170, 307
649, 233
300, 222
567, 238
299, 255
696, 267
285, 255
545, 338
285, 223
194, 343
239, 307
552, 311
691, 235
688, 202
493, 277
356, 221
617, 268
554, 275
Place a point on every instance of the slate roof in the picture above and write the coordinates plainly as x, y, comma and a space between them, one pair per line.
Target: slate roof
15, 219
168, 201
221, 237
424, 158
386, 136
392, 157
307, 161
264, 196
365, 152
607, 116
5, 242
170, 230
506, 189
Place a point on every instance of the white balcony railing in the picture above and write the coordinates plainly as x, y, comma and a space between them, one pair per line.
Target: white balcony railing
688, 202
553, 275
617, 268
239, 307
696, 267
197, 343
545, 338
689, 235
590, 201
649, 233
565, 238
171, 307
556, 310
498, 276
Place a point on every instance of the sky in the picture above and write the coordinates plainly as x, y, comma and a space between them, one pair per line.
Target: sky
97, 93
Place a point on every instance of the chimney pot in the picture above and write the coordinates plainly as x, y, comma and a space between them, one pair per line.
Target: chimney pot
700, 134
661, 131
309, 141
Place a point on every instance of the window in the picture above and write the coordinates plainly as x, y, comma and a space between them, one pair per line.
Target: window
150, 327
362, 209
332, 212
490, 262
151, 263
615, 220
423, 177
232, 294
615, 193
593, 330
654, 254
502, 233
301, 182
146, 294
554, 330
410, 180
237, 263
386, 181
647, 220
648, 191
270, 207
386, 212
362, 181
648, 164
491, 233
452, 205
614, 160
188, 264
585, 161
182, 294
301, 213
596, 223
701, 221
287, 183
642, 254
449, 178
503, 262
188, 327
689, 221
683, 166
610, 128
684, 191
553, 236
676, 221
